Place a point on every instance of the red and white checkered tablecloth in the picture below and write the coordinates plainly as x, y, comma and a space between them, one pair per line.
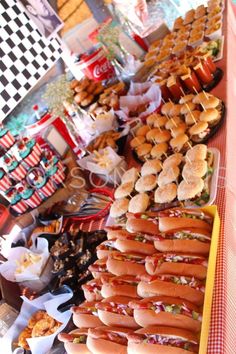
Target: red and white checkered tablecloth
222, 336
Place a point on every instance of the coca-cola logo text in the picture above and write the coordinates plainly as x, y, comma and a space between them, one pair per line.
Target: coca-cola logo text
101, 69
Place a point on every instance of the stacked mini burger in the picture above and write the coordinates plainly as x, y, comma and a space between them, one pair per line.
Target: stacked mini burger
148, 290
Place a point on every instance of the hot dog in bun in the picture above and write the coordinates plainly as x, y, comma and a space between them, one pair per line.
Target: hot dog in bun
98, 268
167, 311
86, 315
135, 243
108, 340
126, 263
177, 263
114, 311
122, 285
105, 248
162, 340
92, 290
187, 288
75, 341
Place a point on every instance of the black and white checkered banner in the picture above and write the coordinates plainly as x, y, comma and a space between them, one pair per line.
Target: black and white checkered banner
25, 55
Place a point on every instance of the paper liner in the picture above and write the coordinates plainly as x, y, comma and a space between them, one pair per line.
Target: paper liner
34, 201
48, 189
19, 173
5, 183
20, 207
32, 159
7, 140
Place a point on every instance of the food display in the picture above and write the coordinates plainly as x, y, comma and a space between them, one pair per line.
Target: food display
108, 138
40, 324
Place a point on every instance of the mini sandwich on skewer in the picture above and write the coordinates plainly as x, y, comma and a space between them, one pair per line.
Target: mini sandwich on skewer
75, 341
118, 210
139, 203
159, 151
162, 340
180, 286
151, 167
167, 310
114, 311
107, 340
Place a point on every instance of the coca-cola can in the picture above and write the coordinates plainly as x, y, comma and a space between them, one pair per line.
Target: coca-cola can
96, 66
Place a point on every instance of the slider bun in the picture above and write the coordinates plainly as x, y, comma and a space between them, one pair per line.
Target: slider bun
130, 175
190, 189
187, 98
189, 106
160, 121
180, 130
152, 118
158, 150
201, 97
174, 159
189, 117
165, 109
124, 190
173, 122
142, 130
162, 288
79, 97
198, 128
150, 136
212, 102
198, 152
178, 142
151, 166
146, 183
175, 110
166, 193
168, 175
138, 140
139, 203
197, 168
211, 116
144, 149
119, 207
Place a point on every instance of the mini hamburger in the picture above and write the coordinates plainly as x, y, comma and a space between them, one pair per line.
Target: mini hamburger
160, 121
119, 208
186, 99
180, 130
174, 159
173, 122
191, 189
192, 169
139, 203
159, 151
211, 116
146, 183
152, 118
197, 152
166, 193
168, 175
192, 117
199, 131
143, 151
124, 190
130, 175
151, 167
180, 143
201, 97
157, 136
165, 109
187, 107
143, 130
175, 110
211, 102
137, 141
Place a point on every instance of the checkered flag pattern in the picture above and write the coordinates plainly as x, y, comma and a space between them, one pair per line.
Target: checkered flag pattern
25, 55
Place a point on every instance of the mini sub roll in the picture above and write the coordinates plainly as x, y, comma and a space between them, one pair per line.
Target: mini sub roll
177, 263
108, 340
86, 315
105, 248
126, 264
122, 285
75, 341
116, 232
162, 340
167, 311
135, 243
114, 311
92, 290
99, 268
186, 240
186, 288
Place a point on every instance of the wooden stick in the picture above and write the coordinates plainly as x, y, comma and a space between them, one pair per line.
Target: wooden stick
190, 146
195, 122
199, 99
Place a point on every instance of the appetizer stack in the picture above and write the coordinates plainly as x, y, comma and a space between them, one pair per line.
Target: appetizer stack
149, 274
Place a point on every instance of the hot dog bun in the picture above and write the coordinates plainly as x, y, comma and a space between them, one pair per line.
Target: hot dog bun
165, 266
107, 340
92, 290
167, 288
74, 348
134, 225
117, 266
111, 316
83, 318
167, 311
130, 245
138, 341
171, 223
122, 285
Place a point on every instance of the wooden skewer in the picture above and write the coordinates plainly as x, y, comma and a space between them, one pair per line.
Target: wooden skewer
165, 154
159, 128
181, 89
195, 122
199, 100
188, 160
190, 146
185, 179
